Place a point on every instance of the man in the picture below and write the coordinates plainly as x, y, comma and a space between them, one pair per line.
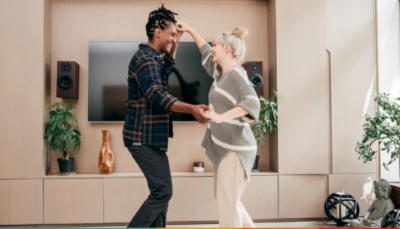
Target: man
148, 121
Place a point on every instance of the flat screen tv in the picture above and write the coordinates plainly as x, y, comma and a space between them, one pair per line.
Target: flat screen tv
108, 79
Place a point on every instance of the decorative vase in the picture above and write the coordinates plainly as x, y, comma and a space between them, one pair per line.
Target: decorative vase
106, 157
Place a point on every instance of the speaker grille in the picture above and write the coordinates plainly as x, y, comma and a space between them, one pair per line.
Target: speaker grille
65, 67
256, 81
254, 67
65, 82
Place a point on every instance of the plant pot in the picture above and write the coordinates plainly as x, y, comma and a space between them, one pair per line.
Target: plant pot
65, 165
255, 166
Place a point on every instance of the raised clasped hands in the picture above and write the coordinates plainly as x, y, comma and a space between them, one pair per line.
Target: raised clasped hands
182, 27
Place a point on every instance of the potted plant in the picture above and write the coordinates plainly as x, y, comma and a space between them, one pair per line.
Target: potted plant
384, 128
267, 121
62, 133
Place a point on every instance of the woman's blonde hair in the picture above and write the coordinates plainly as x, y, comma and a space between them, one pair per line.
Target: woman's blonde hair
234, 38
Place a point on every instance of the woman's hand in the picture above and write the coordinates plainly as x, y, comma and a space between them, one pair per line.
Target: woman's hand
218, 118
183, 27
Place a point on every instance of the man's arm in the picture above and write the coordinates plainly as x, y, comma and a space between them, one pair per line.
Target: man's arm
146, 75
149, 82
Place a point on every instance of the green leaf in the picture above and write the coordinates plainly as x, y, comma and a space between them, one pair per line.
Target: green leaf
69, 144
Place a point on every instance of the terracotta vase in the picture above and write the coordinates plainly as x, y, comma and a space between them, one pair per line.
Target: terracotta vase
106, 157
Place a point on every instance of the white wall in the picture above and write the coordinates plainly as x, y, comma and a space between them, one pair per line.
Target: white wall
388, 64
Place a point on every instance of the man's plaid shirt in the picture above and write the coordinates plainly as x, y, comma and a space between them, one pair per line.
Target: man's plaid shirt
148, 119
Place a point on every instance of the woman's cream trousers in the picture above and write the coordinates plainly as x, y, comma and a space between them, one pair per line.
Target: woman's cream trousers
229, 183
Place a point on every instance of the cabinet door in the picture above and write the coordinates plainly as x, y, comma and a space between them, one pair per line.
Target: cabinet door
68, 201
123, 198
302, 196
193, 199
24, 91
351, 42
260, 198
303, 80
21, 202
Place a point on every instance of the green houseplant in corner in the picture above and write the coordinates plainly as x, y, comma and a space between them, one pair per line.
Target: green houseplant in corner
384, 128
267, 122
62, 133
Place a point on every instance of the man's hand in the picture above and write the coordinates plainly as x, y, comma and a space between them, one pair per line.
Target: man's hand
199, 114
196, 110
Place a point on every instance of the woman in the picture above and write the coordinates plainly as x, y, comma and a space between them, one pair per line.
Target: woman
229, 141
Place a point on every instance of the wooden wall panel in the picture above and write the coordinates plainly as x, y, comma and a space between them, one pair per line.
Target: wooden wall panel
22, 75
21, 202
351, 42
123, 198
360, 186
75, 22
302, 196
69, 201
303, 80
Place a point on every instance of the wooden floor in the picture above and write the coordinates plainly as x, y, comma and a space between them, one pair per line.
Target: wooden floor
312, 224
309, 224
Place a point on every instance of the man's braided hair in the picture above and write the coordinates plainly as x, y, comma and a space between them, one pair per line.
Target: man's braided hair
158, 19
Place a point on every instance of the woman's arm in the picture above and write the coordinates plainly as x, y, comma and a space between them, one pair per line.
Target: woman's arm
197, 38
231, 114
205, 49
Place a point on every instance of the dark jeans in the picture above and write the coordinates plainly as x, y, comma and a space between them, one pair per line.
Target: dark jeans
155, 167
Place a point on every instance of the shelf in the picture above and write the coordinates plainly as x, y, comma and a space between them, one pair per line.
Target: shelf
394, 183
140, 174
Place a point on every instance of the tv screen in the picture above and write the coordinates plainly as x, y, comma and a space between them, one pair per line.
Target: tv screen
108, 75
